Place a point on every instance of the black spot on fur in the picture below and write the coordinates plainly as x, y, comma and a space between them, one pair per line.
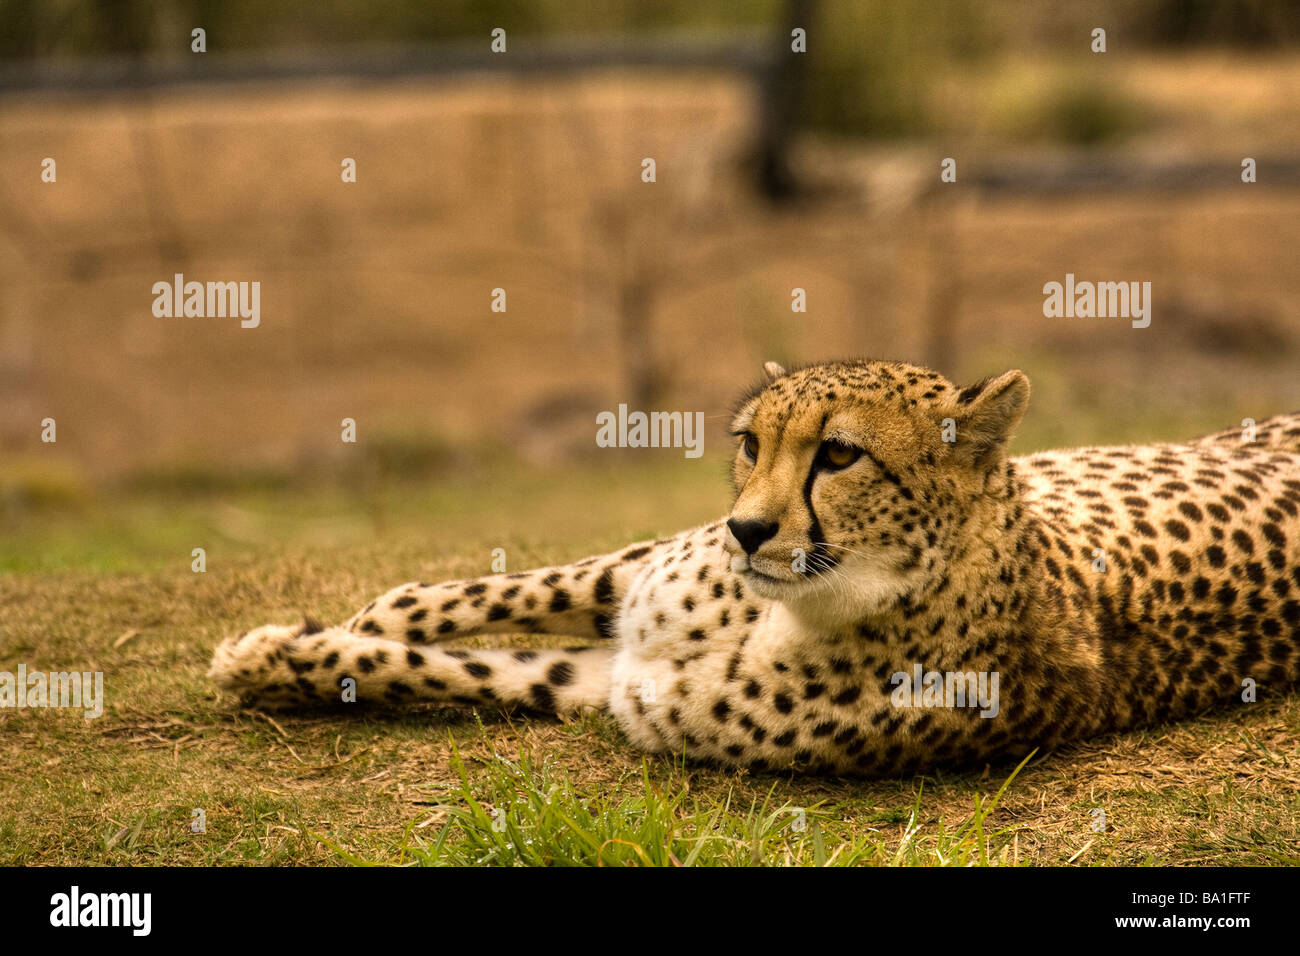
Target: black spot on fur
971, 392
847, 696
604, 590
560, 674
542, 696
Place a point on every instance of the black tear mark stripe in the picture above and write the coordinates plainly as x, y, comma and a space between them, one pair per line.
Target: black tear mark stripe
820, 558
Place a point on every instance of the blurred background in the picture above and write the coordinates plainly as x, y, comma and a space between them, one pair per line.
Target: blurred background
522, 171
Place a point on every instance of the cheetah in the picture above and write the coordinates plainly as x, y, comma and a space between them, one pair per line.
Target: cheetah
886, 570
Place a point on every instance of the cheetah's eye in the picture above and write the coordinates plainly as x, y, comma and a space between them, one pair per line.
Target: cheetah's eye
751, 447
835, 455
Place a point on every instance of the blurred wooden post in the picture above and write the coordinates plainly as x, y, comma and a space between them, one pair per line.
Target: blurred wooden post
780, 94
943, 298
124, 26
642, 376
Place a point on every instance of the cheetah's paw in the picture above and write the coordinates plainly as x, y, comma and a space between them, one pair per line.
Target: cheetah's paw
254, 663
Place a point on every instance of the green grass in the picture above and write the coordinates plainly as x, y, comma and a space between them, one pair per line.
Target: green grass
520, 813
156, 524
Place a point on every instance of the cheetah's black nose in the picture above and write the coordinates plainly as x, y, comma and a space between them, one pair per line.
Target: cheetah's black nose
751, 534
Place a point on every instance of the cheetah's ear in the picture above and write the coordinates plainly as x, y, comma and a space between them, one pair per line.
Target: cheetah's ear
988, 413
773, 370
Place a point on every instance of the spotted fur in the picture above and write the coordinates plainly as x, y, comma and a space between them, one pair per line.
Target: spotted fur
1108, 588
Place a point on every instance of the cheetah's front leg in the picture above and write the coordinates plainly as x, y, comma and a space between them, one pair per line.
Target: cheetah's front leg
287, 665
577, 600
284, 666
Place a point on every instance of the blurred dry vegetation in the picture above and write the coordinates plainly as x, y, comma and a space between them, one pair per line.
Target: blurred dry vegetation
376, 295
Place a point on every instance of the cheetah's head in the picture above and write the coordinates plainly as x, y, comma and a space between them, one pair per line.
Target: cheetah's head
856, 482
